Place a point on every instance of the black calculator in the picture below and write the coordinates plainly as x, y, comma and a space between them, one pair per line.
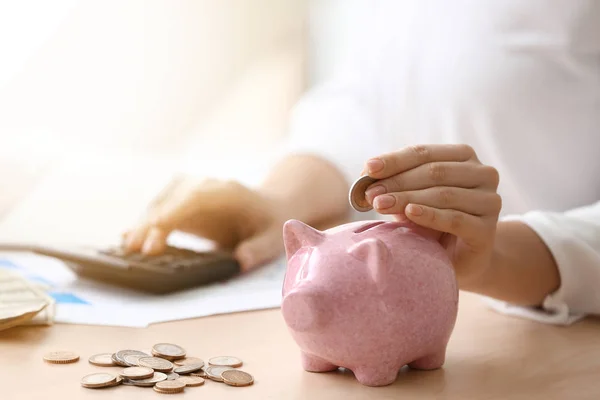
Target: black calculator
174, 270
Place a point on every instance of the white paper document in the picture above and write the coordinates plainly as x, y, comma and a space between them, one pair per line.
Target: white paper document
83, 301
89, 202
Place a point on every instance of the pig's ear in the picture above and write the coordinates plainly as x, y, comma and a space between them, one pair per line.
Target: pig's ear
297, 234
375, 254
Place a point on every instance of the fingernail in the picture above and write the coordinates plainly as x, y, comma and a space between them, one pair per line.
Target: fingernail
129, 242
414, 210
385, 201
374, 165
247, 261
375, 191
149, 246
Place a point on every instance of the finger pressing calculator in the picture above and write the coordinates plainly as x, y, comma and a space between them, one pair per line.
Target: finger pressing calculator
175, 269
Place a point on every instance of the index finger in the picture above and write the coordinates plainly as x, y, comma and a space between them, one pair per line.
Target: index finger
410, 157
166, 192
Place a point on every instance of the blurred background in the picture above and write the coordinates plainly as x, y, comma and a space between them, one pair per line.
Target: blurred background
102, 102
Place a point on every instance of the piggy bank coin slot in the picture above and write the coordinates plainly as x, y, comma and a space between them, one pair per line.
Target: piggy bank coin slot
366, 227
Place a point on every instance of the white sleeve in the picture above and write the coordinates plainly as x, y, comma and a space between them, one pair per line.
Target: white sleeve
573, 238
336, 121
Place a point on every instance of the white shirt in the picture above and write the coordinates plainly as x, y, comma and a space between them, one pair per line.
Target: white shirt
517, 80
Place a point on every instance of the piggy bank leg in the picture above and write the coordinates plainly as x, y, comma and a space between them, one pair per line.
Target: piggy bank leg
315, 364
431, 361
378, 375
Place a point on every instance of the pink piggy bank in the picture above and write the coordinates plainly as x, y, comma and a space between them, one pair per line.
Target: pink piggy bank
368, 296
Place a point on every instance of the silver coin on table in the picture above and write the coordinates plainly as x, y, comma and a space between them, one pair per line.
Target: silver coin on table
135, 373
158, 377
214, 372
102, 360
188, 369
356, 195
119, 357
116, 360
168, 351
118, 381
156, 363
132, 359
225, 361
98, 380
172, 376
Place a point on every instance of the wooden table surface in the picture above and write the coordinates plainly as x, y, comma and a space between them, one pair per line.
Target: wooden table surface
490, 356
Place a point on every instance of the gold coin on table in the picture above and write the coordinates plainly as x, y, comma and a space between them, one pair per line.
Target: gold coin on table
98, 380
168, 351
102, 360
170, 386
186, 369
61, 357
225, 361
137, 373
214, 372
191, 380
158, 377
156, 363
158, 390
356, 195
236, 377
188, 361
200, 373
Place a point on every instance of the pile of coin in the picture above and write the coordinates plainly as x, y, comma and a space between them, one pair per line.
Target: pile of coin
166, 368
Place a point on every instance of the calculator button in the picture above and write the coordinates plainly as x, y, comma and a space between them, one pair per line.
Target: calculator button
187, 263
164, 259
137, 257
113, 251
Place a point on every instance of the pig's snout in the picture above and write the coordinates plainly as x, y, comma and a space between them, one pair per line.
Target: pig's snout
305, 310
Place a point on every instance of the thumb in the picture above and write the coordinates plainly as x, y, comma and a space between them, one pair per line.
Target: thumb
259, 249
